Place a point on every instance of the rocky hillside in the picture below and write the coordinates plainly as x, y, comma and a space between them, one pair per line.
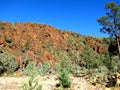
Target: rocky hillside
42, 42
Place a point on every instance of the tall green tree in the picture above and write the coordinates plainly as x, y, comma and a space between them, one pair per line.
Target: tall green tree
111, 22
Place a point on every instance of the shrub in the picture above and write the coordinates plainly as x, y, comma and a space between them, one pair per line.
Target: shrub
108, 61
65, 63
31, 69
64, 78
8, 39
91, 59
99, 75
57, 67
43, 69
27, 46
46, 67
65, 69
8, 63
108, 40
115, 64
33, 82
26, 59
40, 68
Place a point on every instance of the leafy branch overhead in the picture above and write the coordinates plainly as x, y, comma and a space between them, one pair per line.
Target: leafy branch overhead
111, 22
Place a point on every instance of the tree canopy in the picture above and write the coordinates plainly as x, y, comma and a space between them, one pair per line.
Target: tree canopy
111, 21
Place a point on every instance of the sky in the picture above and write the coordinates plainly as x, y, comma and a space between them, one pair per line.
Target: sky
74, 15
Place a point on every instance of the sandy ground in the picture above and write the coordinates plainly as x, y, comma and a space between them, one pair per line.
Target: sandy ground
48, 83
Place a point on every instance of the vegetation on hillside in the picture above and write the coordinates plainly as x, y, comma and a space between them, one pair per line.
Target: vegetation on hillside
39, 49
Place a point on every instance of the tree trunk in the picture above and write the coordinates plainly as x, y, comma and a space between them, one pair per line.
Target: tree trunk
118, 45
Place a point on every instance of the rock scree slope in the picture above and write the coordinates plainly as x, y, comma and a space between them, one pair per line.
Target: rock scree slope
43, 42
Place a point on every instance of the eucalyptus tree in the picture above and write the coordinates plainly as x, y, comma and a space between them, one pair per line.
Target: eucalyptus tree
111, 22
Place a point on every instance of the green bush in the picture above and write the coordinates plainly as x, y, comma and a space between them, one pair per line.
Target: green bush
115, 64
91, 59
8, 39
99, 75
64, 78
31, 69
108, 61
57, 68
27, 46
65, 63
40, 68
8, 63
65, 69
43, 69
33, 82
46, 67
26, 59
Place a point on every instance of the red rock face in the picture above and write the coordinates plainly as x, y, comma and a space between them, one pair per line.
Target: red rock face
96, 45
34, 37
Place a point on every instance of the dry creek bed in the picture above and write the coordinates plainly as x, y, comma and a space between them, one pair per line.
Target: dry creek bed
48, 83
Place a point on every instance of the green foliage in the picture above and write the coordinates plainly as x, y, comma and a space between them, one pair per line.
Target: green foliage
75, 40
8, 63
8, 39
56, 51
31, 69
43, 69
64, 78
57, 67
60, 88
27, 47
2, 25
115, 64
12, 26
110, 22
46, 67
65, 69
108, 40
108, 61
65, 63
90, 58
33, 82
77, 70
26, 59
40, 69
99, 75
73, 52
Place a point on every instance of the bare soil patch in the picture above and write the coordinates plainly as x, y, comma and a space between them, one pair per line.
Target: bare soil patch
48, 83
